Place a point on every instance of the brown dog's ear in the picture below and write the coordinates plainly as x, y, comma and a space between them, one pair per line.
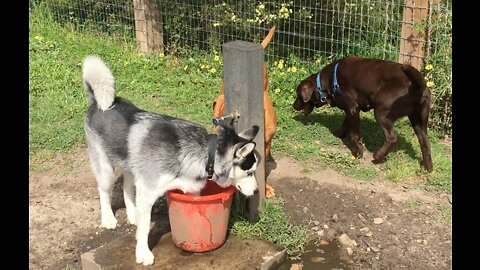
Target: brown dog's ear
306, 91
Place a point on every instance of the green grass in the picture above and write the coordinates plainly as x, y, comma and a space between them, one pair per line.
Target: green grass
445, 213
185, 86
273, 225
179, 87
412, 204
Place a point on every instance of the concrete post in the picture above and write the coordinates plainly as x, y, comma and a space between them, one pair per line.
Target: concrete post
243, 84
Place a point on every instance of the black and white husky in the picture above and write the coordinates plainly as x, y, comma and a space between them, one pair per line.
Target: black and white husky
156, 153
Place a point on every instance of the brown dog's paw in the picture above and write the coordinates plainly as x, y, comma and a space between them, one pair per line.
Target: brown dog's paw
377, 158
357, 153
428, 167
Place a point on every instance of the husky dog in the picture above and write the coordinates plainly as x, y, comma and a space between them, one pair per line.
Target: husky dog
156, 153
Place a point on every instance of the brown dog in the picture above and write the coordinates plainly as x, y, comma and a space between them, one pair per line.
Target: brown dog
357, 84
269, 111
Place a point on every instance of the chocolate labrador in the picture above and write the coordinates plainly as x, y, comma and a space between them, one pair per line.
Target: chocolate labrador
356, 84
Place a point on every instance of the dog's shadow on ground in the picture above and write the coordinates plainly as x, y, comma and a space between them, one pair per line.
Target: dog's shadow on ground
371, 134
159, 214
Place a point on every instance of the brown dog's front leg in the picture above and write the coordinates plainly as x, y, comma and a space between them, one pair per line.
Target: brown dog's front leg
351, 123
342, 132
354, 123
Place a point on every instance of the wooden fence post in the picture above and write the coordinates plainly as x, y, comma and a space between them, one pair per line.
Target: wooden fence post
148, 26
243, 86
412, 41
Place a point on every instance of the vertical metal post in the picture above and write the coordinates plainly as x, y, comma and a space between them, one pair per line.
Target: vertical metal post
243, 84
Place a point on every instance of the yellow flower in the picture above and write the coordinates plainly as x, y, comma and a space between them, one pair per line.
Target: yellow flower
38, 38
161, 55
280, 64
216, 58
353, 158
429, 67
185, 68
430, 84
277, 90
284, 12
317, 61
216, 24
125, 63
260, 8
202, 66
294, 69
213, 70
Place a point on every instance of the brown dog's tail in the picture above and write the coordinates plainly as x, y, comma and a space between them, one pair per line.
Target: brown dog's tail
268, 38
417, 79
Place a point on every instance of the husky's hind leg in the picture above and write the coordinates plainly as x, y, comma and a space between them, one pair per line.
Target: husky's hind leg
105, 176
129, 196
145, 198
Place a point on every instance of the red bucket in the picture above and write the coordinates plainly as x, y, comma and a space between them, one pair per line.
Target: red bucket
199, 223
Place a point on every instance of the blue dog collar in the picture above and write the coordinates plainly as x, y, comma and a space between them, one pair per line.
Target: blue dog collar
336, 87
319, 88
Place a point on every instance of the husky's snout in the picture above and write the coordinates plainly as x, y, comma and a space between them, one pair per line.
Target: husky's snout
247, 186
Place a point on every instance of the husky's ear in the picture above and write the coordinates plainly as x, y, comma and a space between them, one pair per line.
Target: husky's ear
249, 133
245, 150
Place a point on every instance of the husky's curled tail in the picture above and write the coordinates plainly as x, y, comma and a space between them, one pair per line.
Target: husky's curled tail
98, 82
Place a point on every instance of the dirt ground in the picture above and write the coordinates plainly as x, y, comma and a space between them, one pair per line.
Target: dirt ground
394, 226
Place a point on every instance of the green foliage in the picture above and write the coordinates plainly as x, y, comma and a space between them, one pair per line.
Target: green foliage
273, 225
186, 87
113, 17
330, 28
438, 69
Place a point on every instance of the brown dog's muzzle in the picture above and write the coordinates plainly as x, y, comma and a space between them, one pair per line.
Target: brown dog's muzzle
304, 108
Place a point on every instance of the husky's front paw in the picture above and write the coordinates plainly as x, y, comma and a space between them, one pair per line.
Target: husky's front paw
131, 216
144, 256
109, 222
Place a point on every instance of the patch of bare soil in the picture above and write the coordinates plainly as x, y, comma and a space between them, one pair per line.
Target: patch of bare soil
393, 226
64, 213
64, 216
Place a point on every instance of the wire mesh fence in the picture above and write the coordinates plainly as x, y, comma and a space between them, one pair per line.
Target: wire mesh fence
418, 32
305, 28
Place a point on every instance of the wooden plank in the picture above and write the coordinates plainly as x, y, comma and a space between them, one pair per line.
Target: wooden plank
243, 84
412, 41
154, 28
148, 26
140, 25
